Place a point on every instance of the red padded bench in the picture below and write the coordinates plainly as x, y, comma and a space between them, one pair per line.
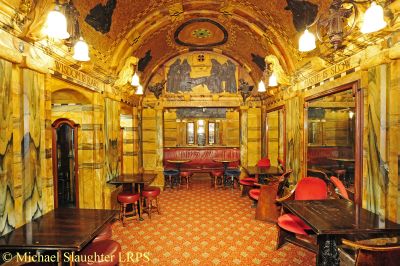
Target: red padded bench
201, 159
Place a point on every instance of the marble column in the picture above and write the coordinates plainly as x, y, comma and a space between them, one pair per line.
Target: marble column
135, 132
263, 131
244, 135
159, 144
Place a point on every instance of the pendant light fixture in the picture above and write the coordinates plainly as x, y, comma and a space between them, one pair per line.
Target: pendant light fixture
56, 24
135, 80
307, 41
261, 86
272, 81
81, 50
373, 19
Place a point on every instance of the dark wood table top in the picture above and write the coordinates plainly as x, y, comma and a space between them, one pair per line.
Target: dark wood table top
339, 216
59, 229
346, 160
178, 161
256, 170
225, 161
133, 179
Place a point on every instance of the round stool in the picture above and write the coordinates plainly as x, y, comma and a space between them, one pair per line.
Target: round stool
230, 176
186, 175
126, 198
247, 183
171, 176
217, 175
149, 195
96, 250
105, 234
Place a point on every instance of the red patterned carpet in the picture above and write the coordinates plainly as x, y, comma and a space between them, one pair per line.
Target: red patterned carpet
203, 226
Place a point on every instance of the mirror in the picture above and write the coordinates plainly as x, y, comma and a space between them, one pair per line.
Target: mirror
190, 133
331, 135
275, 136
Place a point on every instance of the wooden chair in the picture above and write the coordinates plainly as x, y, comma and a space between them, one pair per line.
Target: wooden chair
290, 225
267, 208
341, 189
378, 251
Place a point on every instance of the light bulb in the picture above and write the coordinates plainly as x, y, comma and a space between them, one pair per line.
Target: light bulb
373, 19
81, 50
56, 25
307, 42
261, 86
135, 80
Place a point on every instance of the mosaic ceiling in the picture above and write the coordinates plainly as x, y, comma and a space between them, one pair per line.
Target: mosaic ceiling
117, 29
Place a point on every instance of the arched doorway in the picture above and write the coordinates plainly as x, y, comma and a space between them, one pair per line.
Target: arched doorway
65, 163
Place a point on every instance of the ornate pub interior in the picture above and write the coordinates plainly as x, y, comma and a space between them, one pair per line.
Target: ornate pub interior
199, 132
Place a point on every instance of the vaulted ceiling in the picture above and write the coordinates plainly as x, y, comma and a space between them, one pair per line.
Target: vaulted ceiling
245, 30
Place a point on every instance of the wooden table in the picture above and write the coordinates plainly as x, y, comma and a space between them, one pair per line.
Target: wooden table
341, 161
61, 230
178, 163
261, 172
330, 219
225, 163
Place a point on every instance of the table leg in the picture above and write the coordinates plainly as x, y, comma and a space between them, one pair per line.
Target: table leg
328, 254
138, 189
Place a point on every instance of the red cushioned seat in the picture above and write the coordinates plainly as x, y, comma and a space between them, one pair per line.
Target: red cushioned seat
246, 183
105, 234
127, 197
254, 194
109, 248
185, 173
217, 172
151, 193
264, 162
293, 224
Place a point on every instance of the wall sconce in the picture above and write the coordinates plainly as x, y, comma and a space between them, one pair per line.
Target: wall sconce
341, 21
139, 90
261, 86
274, 72
64, 25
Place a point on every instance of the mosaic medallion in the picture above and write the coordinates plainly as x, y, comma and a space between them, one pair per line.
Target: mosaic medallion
201, 32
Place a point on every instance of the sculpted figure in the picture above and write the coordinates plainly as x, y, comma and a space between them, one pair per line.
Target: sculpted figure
35, 20
274, 65
127, 71
174, 76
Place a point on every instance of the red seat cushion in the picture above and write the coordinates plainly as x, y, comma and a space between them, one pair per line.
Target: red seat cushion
128, 197
249, 179
151, 193
340, 187
108, 248
293, 224
246, 182
254, 194
264, 162
185, 174
105, 234
217, 173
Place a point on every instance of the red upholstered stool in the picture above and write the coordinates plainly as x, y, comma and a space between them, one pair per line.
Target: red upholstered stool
217, 175
126, 198
186, 175
150, 194
247, 183
107, 249
341, 174
105, 234
254, 194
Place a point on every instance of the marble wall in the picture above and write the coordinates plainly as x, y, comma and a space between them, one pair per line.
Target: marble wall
381, 134
112, 138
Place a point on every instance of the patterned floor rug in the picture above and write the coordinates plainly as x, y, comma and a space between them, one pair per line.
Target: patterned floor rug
203, 226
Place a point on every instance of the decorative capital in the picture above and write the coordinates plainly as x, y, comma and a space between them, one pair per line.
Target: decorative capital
245, 89
157, 88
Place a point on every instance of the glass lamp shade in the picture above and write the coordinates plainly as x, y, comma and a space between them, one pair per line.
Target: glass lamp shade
307, 42
56, 25
81, 50
139, 90
273, 81
261, 86
135, 80
373, 19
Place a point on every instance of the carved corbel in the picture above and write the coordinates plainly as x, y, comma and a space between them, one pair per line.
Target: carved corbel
126, 73
275, 67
